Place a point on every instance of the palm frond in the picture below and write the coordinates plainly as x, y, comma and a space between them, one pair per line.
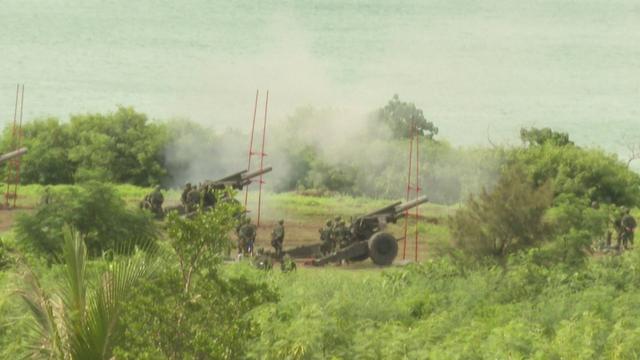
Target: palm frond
84, 325
102, 330
41, 308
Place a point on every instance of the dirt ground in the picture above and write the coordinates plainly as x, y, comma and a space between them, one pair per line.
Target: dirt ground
8, 216
305, 232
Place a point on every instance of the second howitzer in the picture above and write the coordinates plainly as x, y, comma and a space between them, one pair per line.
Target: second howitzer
238, 180
196, 196
367, 239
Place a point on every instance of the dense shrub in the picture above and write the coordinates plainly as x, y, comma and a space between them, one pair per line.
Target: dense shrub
190, 310
508, 218
122, 146
586, 173
436, 311
404, 119
98, 214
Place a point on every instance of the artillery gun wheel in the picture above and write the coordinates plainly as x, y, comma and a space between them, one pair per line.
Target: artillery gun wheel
383, 248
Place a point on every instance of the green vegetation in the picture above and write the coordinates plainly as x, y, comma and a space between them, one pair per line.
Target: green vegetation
403, 119
118, 147
84, 325
513, 270
95, 210
440, 310
505, 220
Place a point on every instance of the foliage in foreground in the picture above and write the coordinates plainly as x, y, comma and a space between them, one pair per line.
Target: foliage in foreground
552, 194
440, 310
189, 310
84, 324
504, 220
95, 211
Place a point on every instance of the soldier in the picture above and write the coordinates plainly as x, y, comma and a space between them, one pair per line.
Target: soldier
185, 192
46, 197
156, 199
327, 241
628, 226
262, 261
341, 233
335, 232
193, 199
287, 264
209, 198
246, 237
277, 238
243, 220
617, 224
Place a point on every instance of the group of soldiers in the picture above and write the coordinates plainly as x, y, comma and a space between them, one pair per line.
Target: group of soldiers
334, 235
246, 233
194, 196
153, 201
624, 225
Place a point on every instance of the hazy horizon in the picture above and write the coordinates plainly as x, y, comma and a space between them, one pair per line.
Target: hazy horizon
478, 70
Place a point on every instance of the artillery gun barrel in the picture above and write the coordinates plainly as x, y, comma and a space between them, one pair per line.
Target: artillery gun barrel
13, 154
410, 204
251, 175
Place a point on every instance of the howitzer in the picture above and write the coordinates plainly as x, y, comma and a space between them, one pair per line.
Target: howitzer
238, 180
12, 155
366, 237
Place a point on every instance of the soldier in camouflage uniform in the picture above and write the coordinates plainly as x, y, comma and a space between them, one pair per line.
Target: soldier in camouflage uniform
262, 261
193, 199
287, 264
246, 237
628, 226
208, 197
335, 232
617, 224
46, 196
341, 233
185, 192
156, 199
277, 238
326, 237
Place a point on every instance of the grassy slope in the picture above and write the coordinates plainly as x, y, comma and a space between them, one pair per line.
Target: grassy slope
440, 311
303, 215
434, 310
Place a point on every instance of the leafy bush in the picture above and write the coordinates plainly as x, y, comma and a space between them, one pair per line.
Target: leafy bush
401, 117
118, 147
586, 173
190, 310
84, 323
506, 219
534, 136
98, 214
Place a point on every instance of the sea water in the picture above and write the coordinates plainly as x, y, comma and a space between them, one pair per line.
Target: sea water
480, 70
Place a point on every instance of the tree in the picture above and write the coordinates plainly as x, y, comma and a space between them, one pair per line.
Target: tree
118, 147
95, 211
47, 161
537, 137
587, 173
505, 219
191, 310
85, 324
200, 242
401, 117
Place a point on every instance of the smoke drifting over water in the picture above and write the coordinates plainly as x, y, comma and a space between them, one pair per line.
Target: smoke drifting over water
471, 66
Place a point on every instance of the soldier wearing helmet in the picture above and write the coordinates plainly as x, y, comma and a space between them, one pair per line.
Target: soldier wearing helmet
327, 246
628, 226
185, 192
277, 238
